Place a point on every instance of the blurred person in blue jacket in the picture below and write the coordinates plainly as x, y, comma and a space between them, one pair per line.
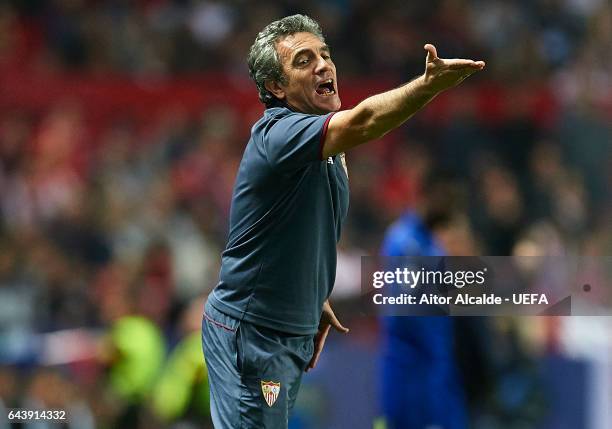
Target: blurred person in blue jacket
421, 382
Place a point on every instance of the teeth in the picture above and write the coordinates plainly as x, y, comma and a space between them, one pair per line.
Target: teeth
326, 91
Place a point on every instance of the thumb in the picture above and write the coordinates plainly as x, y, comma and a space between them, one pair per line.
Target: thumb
432, 53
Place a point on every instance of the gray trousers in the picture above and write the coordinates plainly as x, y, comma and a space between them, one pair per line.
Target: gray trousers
254, 372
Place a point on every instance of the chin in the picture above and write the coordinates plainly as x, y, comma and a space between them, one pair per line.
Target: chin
337, 104
332, 105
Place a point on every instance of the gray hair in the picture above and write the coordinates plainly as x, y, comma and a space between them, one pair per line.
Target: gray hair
264, 62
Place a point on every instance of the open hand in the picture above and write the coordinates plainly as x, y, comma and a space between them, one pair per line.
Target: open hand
441, 74
328, 321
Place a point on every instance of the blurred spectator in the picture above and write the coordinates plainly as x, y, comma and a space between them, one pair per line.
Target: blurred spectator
134, 351
50, 390
182, 391
499, 215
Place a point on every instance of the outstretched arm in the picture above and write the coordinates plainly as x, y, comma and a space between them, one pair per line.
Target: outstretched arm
328, 321
377, 115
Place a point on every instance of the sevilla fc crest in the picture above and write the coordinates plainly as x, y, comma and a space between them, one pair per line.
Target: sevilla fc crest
270, 391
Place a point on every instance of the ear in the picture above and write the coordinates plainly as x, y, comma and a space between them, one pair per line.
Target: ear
275, 89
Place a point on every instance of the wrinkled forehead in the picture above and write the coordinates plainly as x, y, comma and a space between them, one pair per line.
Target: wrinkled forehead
288, 46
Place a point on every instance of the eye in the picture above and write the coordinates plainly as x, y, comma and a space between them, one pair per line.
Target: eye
303, 61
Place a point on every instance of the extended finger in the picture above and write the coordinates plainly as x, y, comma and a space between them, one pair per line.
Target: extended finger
456, 64
319, 343
337, 325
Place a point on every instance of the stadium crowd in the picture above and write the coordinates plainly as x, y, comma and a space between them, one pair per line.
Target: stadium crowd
105, 219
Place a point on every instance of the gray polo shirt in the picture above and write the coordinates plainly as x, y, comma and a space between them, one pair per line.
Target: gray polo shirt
288, 207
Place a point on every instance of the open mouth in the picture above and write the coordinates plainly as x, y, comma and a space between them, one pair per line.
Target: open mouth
326, 88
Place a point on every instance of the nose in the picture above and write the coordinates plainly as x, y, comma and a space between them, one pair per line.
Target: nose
322, 66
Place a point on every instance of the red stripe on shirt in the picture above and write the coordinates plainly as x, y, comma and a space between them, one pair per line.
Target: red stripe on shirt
323, 134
